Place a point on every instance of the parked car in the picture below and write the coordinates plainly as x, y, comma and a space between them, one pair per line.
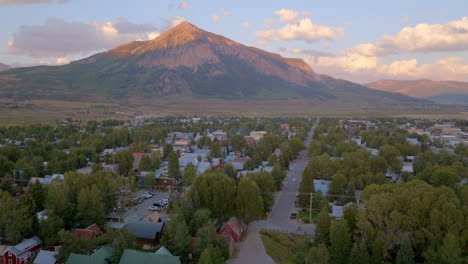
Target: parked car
158, 204
293, 179
154, 208
147, 196
293, 216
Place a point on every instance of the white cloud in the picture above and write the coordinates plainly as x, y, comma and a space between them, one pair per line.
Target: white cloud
303, 29
246, 24
153, 35
287, 15
361, 68
31, 2
223, 14
59, 38
310, 52
174, 21
269, 22
182, 5
423, 38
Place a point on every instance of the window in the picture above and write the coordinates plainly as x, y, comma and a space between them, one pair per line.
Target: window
9, 253
10, 261
228, 229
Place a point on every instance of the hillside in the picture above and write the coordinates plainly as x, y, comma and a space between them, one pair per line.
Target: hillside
420, 88
189, 62
449, 99
4, 67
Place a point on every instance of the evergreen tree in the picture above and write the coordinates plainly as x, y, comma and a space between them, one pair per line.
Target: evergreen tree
317, 255
173, 166
405, 253
211, 255
176, 236
322, 232
48, 229
340, 242
249, 200
278, 175
189, 174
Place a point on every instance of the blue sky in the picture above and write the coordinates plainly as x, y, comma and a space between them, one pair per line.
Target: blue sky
326, 34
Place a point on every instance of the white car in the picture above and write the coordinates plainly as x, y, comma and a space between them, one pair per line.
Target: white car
293, 179
147, 196
153, 208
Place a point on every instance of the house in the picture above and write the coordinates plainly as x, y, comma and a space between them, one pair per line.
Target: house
338, 210
219, 135
3, 249
45, 257
277, 152
413, 141
23, 252
202, 167
89, 233
322, 185
162, 256
114, 168
100, 256
239, 162
257, 135
250, 140
85, 170
233, 231
165, 182
147, 234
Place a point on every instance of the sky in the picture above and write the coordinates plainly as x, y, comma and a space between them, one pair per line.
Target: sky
361, 41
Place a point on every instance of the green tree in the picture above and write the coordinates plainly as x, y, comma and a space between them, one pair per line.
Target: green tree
177, 237
149, 179
125, 160
278, 175
405, 253
230, 171
206, 236
249, 200
90, 209
359, 254
317, 255
238, 143
146, 164
70, 243
340, 242
211, 255
38, 195
119, 240
15, 220
215, 150
59, 201
189, 174
199, 219
322, 232
173, 166
49, 228
168, 149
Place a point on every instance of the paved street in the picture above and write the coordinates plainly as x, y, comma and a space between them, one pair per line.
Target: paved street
251, 250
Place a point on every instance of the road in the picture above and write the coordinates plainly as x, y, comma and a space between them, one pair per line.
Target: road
251, 250
141, 209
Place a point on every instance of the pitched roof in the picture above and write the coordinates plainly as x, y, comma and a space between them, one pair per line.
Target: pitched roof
131, 256
24, 246
98, 257
45, 257
94, 228
237, 226
147, 230
163, 251
132, 218
90, 232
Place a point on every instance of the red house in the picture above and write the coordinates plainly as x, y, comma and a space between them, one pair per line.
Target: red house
25, 251
89, 233
232, 231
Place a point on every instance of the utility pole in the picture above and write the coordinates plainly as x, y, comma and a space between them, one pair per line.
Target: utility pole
310, 208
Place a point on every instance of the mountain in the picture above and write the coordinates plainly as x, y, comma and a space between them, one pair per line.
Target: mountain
420, 88
185, 61
4, 67
449, 99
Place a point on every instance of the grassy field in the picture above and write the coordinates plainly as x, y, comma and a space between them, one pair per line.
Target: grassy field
52, 111
281, 247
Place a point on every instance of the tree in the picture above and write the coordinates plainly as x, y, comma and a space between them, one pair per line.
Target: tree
58, 200
125, 160
340, 242
15, 221
230, 171
238, 143
146, 164
199, 219
359, 254
168, 149
206, 236
48, 229
149, 179
405, 253
70, 243
90, 209
173, 166
119, 240
189, 174
444, 176
211, 255
215, 150
265, 182
38, 196
338, 184
176, 237
317, 255
278, 175
322, 232
378, 164
249, 200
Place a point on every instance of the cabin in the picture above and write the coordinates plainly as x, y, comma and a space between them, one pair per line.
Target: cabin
23, 252
233, 231
148, 234
89, 233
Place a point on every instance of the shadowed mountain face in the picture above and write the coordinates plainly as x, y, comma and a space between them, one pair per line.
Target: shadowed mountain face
420, 88
185, 61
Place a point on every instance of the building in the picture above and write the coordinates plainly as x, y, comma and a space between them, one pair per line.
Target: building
239, 162
147, 234
233, 231
24, 252
114, 168
338, 210
165, 182
45, 257
322, 186
100, 256
89, 233
161, 256
257, 135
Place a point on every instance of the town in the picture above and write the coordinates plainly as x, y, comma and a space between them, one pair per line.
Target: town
174, 189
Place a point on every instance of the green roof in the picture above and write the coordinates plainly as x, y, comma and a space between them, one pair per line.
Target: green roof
163, 251
131, 256
98, 257
132, 218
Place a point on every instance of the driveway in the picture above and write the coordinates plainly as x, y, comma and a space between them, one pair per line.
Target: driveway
141, 209
251, 250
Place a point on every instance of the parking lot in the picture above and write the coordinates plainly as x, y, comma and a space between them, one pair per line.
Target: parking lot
141, 209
